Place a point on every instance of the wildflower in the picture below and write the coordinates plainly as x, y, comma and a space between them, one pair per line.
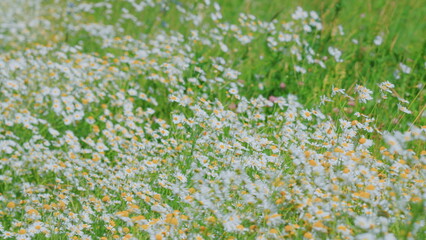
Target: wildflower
343, 229
231, 74
259, 116
231, 223
223, 47
163, 132
336, 90
325, 99
173, 98
69, 120
55, 92
308, 235
404, 68
299, 14
363, 222
386, 86
11, 205
364, 94
284, 37
366, 236
181, 177
403, 109
336, 53
378, 40
306, 114
364, 142
402, 100
342, 33
299, 69
233, 91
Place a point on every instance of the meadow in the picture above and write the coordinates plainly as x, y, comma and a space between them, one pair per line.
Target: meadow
203, 119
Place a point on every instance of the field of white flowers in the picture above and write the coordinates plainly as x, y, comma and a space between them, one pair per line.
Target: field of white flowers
167, 119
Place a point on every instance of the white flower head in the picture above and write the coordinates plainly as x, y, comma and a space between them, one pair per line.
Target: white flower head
378, 40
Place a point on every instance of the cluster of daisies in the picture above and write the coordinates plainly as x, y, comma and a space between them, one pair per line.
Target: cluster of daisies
153, 140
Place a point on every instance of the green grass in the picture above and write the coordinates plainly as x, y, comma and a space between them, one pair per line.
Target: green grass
400, 23
262, 70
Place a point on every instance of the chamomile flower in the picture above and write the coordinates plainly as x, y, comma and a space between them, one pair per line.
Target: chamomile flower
403, 109
160, 137
378, 40
233, 91
386, 86
336, 90
364, 94
404, 68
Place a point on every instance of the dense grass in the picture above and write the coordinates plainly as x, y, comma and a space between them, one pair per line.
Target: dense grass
401, 23
149, 165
